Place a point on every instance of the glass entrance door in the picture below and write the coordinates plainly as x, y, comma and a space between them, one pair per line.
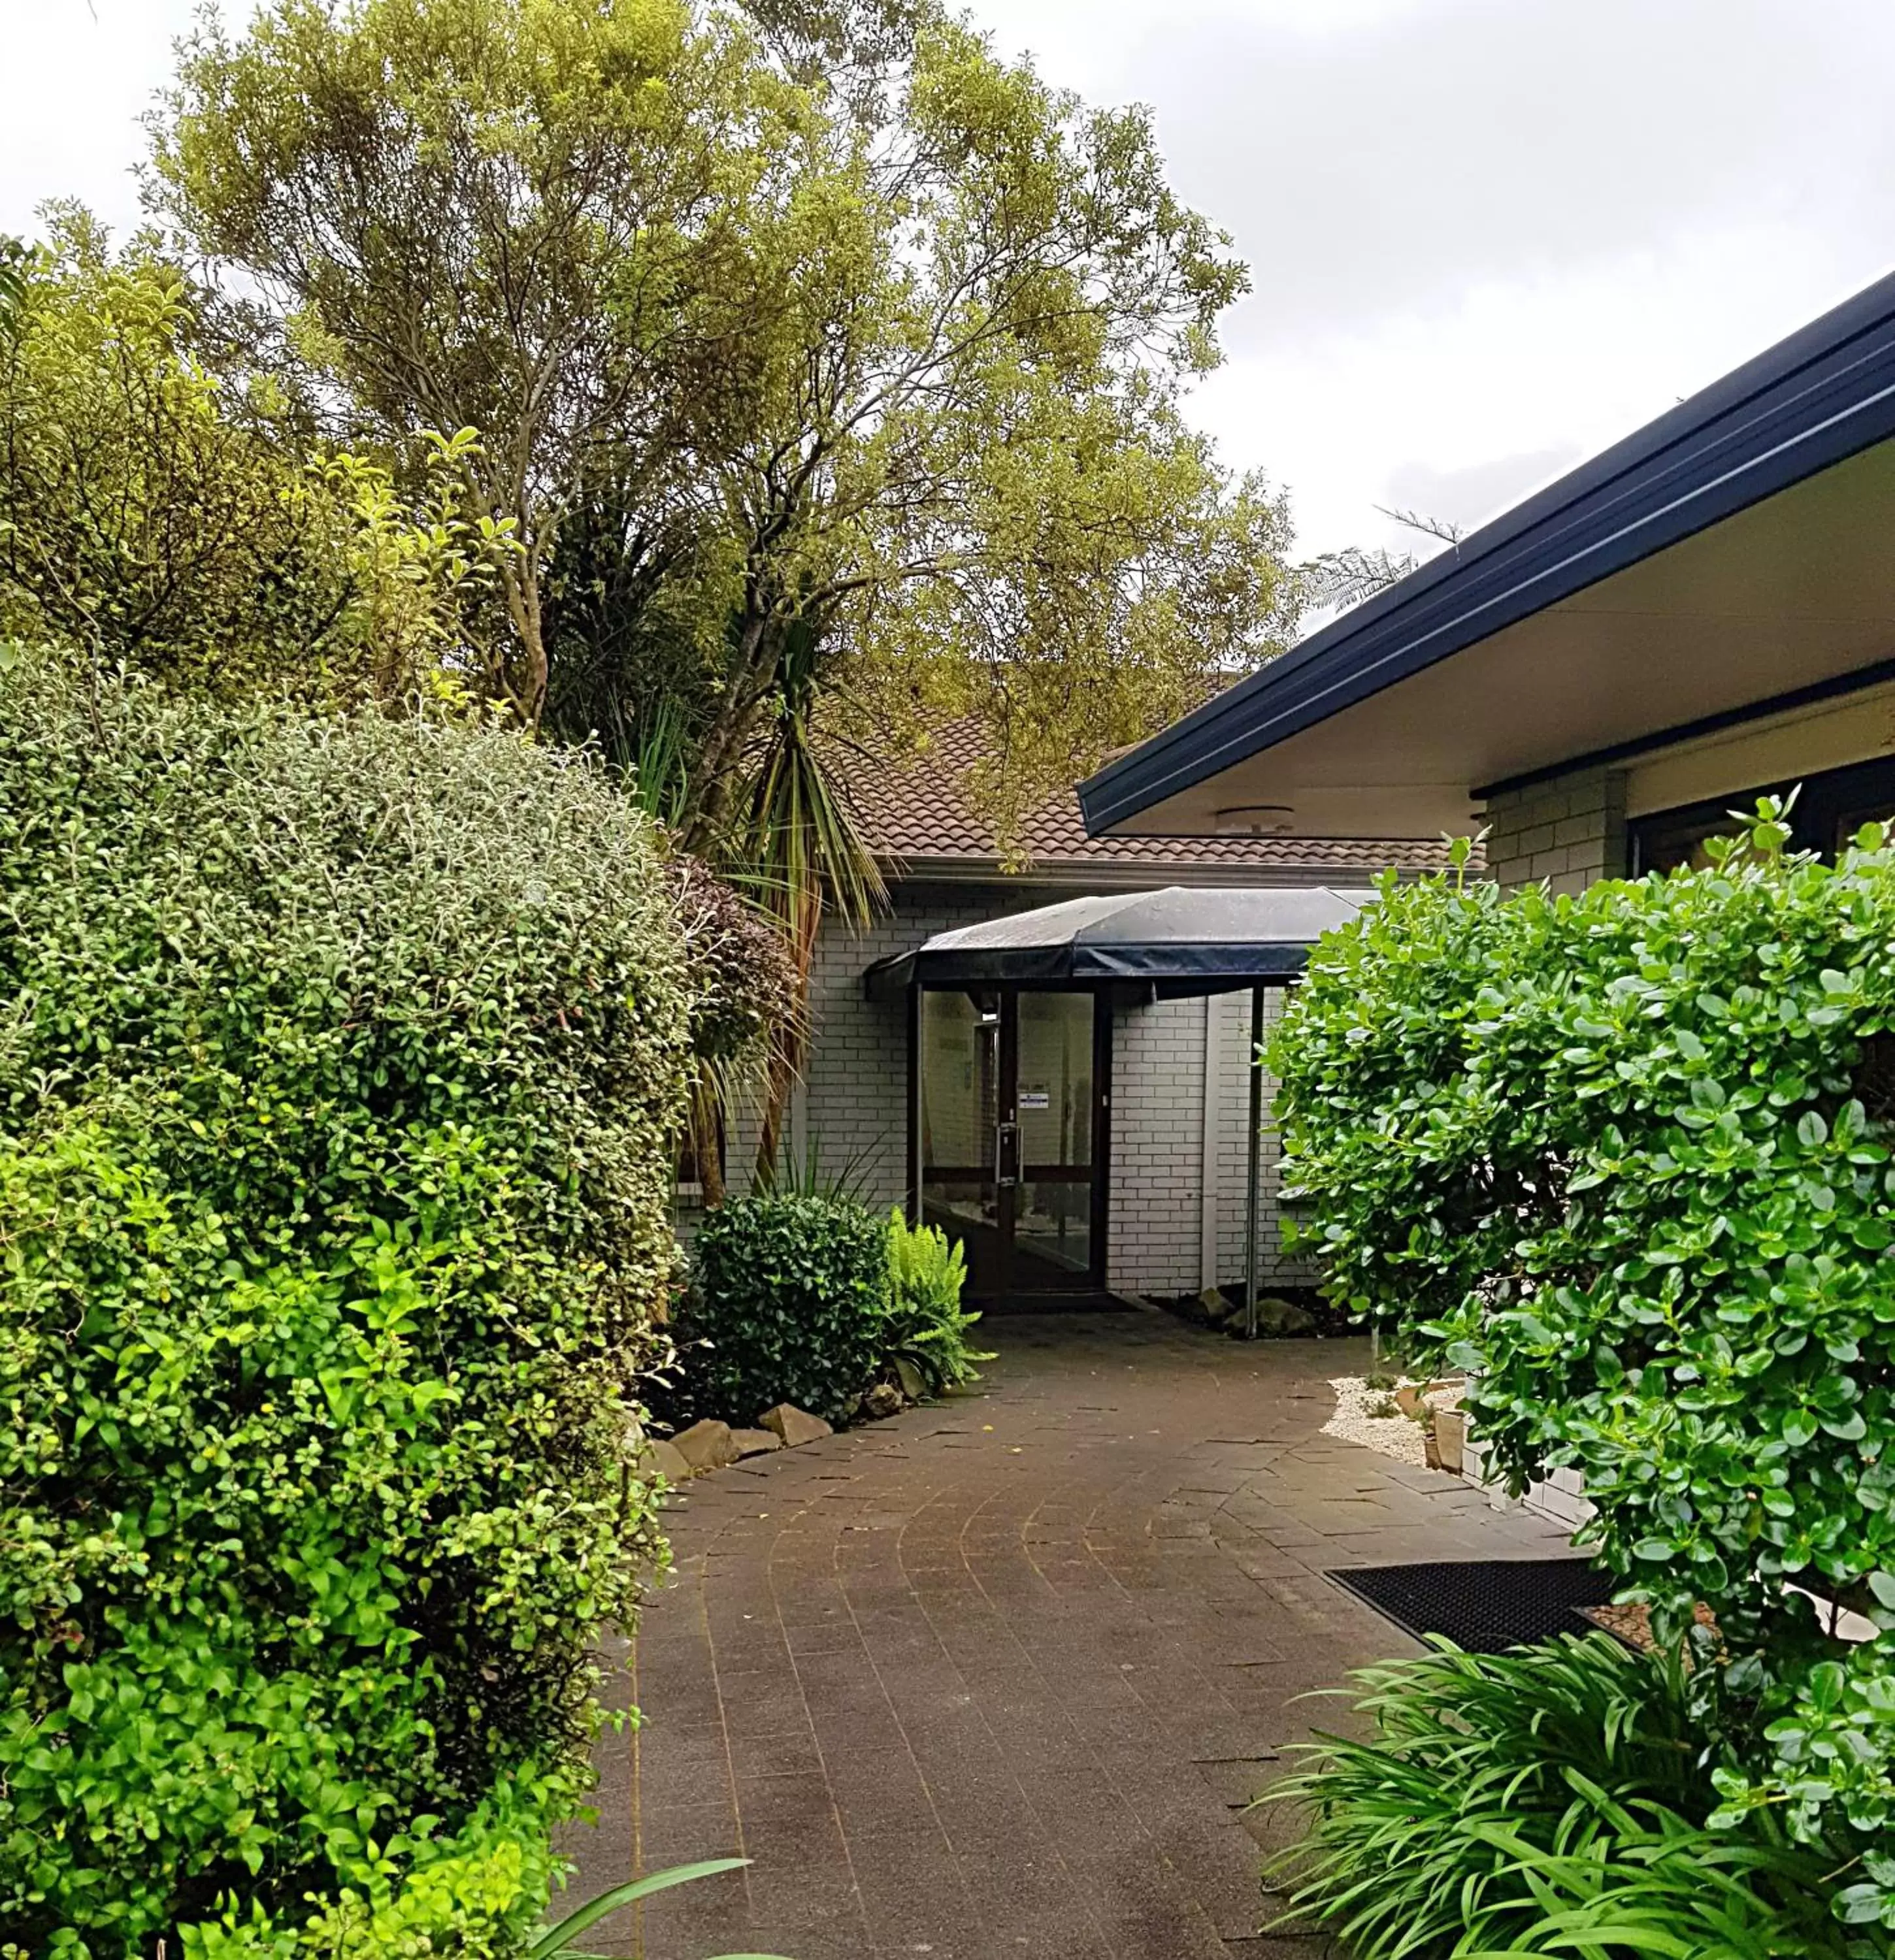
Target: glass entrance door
1012, 1122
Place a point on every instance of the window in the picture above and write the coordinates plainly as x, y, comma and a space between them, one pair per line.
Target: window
1831, 807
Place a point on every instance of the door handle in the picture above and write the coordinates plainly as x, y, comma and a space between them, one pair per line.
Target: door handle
1007, 1153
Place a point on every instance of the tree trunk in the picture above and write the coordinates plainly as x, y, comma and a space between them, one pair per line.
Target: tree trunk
527, 687
721, 754
706, 1141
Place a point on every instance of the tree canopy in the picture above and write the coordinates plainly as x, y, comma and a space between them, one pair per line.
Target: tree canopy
154, 517
822, 321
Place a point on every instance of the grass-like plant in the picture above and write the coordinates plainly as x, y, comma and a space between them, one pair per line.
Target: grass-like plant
1552, 1800
558, 1939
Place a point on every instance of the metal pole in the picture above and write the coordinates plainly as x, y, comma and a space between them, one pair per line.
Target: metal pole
1253, 1189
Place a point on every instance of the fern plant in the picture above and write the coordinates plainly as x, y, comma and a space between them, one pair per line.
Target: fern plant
925, 1329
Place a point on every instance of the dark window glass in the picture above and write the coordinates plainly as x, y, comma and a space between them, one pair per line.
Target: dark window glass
1831, 807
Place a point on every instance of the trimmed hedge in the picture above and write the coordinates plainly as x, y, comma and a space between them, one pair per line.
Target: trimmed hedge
791, 1295
1628, 1155
338, 1068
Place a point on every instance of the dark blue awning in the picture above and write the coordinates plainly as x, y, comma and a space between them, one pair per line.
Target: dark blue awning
1181, 940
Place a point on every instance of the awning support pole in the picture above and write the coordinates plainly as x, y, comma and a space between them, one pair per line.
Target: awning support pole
1253, 1190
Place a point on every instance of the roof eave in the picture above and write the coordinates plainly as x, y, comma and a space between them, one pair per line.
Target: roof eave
1825, 393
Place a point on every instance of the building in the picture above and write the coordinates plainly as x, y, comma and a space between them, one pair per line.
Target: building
1131, 1109
1702, 615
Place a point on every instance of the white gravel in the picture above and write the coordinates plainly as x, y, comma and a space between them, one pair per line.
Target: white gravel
1399, 1437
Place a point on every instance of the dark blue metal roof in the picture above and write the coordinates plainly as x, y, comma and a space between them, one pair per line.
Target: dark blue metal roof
1825, 393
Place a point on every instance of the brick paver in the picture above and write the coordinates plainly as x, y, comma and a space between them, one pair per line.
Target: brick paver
995, 1678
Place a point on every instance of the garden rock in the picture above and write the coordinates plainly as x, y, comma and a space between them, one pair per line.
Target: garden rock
662, 1459
884, 1399
1451, 1439
796, 1426
912, 1385
1283, 1317
755, 1442
706, 1445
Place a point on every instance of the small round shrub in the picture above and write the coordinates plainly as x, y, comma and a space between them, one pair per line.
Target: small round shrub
791, 1292
338, 1064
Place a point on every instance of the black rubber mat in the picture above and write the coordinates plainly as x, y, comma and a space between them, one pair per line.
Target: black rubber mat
1485, 1605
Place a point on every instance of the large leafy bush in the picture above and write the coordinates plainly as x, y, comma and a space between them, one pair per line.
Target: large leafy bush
1547, 1801
790, 1293
336, 1070
1628, 1155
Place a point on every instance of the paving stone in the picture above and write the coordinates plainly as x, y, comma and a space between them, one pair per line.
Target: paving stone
994, 1683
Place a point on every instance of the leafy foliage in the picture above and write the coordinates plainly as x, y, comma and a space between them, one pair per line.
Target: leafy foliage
155, 518
336, 1085
790, 1294
745, 983
1628, 1156
479, 213
924, 1325
1547, 1801
826, 323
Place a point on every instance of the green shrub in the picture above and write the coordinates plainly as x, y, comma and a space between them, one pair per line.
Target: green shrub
925, 1328
1628, 1155
1547, 1801
163, 516
790, 1293
336, 1077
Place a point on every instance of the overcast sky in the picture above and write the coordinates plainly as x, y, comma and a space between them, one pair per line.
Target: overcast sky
1486, 236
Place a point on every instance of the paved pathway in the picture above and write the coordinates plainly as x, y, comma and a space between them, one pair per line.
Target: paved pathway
993, 1680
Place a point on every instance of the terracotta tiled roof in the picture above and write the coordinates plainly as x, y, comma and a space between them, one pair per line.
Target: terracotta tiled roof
915, 812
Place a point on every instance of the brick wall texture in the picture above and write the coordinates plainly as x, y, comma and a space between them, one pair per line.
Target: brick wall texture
1570, 832
852, 1107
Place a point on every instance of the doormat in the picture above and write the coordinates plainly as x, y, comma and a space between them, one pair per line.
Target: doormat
1484, 1605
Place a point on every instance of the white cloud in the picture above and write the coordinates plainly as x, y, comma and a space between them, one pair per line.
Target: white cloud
1484, 233
79, 77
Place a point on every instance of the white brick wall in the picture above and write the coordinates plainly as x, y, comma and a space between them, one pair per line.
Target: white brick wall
1157, 1148
1274, 1267
1158, 1156
1570, 832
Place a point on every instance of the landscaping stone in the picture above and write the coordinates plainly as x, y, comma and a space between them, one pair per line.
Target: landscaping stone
706, 1446
796, 1426
755, 1442
663, 1459
1275, 1316
884, 1399
912, 1385
1450, 1438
